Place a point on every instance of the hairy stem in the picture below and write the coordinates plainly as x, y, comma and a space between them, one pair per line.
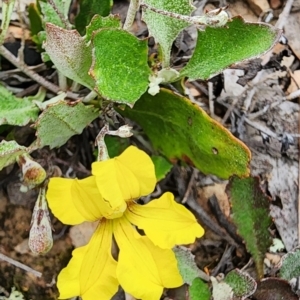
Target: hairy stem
133, 8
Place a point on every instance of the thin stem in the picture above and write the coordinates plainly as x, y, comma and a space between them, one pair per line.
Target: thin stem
7, 9
36, 77
20, 265
132, 9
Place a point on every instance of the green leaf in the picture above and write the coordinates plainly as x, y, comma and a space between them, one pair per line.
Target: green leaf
290, 265
162, 166
186, 264
115, 145
163, 28
89, 8
120, 65
60, 121
7, 9
99, 22
242, 284
51, 16
16, 111
9, 151
250, 208
218, 48
199, 290
35, 19
70, 54
182, 130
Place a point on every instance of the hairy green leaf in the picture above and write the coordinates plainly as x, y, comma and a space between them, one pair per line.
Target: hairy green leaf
250, 208
120, 65
165, 29
70, 54
182, 130
89, 8
50, 13
242, 284
16, 111
290, 265
218, 48
99, 22
9, 151
199, 290
60, 121
186, 264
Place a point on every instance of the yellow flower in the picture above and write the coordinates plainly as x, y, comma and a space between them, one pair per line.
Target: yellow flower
146, 264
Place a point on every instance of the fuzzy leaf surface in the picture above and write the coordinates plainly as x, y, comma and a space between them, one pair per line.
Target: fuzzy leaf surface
250, 208
120, 65
242, 284
290, 267
186, 264
49, 13
183, 131
70, 54
99, 22
60, 121
165, 29
16, 111
218, 48
199, 290
89, 8
9, 151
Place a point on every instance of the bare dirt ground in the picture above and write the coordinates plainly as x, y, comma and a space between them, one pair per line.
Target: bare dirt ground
263, 112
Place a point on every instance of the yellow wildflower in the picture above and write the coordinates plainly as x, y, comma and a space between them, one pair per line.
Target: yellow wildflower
146, 264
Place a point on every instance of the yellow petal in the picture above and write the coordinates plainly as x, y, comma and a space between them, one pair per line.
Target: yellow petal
143, 269
91, 273
165, 222
60, 200
89, 202
126, 177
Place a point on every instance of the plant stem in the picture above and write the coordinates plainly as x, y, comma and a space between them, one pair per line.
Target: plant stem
7, 9
36, 77
133, 8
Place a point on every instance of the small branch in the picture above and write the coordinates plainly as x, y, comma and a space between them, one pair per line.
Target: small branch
293, 95
36, 77
133, 8
284, 14
20, 265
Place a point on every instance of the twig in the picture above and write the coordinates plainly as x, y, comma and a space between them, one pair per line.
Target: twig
132, 9
280, 24
36, 77
20, 265
189, 187
293, 95
284, 15
206, 219
211, 99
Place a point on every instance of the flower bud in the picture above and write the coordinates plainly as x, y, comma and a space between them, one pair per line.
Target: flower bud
123, 132
33, 173
40, 234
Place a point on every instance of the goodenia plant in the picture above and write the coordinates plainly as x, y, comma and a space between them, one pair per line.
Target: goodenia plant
110, 67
